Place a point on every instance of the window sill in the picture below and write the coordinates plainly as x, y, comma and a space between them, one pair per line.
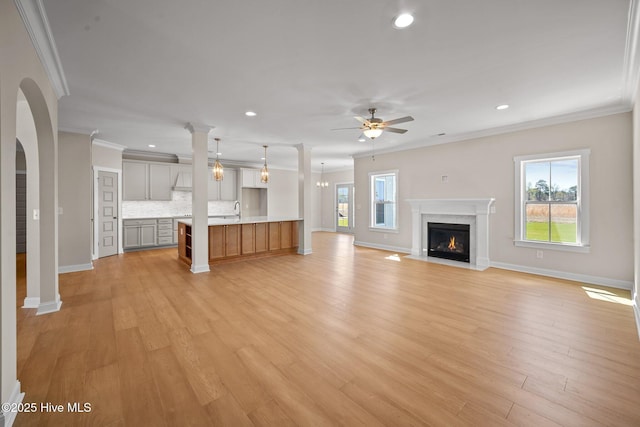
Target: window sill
553, 246
384, 230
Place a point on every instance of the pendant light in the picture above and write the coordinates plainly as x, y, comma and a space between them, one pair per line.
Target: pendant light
264, 173
322, 183
218, 170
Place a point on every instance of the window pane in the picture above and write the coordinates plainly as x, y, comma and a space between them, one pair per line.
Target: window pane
383, 209
564, 180
564, 223
537, 222
536, 175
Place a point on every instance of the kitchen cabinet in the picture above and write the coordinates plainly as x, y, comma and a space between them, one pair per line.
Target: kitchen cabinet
165, 231
146, 181
251, 178
248, 236
224, 241
139, 233
184, 242
244, 240
225, 189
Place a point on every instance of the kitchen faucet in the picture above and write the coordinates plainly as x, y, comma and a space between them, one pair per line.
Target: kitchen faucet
236, 205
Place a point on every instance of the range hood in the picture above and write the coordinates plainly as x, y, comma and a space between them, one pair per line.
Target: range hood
183, 182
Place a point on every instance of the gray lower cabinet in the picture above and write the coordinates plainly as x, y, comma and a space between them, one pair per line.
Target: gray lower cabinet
139, 233
165, 231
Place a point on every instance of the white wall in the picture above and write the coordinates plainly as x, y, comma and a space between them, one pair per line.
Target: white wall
74, 199
20, 67
483, 167
105, 157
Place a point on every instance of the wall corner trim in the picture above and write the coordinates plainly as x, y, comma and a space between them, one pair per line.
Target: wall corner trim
36, 23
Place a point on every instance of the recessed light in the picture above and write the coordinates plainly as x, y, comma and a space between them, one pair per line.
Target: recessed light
151, 146
403, 20
502, 107
250, 114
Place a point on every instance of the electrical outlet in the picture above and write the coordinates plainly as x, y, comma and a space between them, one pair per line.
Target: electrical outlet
36, 214
444, 178
539, 254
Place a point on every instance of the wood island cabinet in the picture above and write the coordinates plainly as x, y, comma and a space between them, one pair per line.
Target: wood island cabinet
224, 241
262, 237
239, 241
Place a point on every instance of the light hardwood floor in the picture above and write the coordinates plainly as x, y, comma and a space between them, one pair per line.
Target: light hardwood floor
344, 336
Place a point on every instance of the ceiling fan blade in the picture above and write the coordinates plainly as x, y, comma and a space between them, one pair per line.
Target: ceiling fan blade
400, 120
346, 128
395, 130
361, 120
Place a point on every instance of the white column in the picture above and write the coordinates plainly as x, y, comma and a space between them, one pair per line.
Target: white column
304, 198
199, 198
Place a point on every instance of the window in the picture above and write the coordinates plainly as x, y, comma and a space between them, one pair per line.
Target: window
552, 201
383, 200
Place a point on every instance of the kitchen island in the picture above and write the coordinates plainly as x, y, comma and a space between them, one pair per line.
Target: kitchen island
234, 239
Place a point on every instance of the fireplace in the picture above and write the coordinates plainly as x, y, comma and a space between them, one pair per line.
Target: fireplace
472, 213
449, 241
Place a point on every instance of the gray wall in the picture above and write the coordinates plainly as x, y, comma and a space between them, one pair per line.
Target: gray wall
484, 167
74, 198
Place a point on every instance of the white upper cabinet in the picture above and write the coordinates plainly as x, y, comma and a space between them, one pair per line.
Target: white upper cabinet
251, 179
146, 181
229, 186
225, 189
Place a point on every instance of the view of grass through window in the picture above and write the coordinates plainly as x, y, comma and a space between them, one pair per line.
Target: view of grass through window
551, 200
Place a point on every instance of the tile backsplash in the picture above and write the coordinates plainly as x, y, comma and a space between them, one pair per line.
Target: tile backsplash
179, 205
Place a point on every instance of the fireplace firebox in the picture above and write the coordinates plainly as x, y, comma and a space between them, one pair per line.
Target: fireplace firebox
449, 241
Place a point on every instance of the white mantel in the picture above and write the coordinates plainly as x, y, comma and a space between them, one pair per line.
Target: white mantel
474, 212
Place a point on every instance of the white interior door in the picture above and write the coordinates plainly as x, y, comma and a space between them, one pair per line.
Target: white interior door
107, 214
344, 208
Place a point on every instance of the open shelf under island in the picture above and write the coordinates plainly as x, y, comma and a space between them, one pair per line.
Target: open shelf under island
242, 238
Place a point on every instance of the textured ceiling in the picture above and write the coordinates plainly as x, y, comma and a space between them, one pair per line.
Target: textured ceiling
138, 71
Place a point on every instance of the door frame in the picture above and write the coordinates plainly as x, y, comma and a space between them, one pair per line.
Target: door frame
96, 238
351, 207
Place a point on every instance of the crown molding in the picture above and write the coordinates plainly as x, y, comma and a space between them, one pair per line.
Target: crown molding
631, 70
198, 127
533, 124
152, 156
35, 21
107, 144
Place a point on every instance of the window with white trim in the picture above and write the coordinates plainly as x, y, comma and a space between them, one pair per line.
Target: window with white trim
552, 201
384, 189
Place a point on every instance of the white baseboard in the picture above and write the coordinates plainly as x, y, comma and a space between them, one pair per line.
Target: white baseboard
73, 268
328, 230
49, 307
594, 280
195, 269
382, 247
31, 302
304, 251
636, 310
14, 400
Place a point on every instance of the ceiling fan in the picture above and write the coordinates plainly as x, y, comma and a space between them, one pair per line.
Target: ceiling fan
373, 127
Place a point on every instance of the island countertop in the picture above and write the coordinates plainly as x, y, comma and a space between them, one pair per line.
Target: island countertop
243, 220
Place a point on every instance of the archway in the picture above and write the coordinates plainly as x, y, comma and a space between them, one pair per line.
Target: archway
47, 210
27, 137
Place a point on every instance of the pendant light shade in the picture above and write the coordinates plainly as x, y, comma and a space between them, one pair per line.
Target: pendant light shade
373, 133
264, 173
218, 170
322, 183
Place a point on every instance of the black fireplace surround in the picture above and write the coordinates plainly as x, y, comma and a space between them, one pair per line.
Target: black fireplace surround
448, 241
